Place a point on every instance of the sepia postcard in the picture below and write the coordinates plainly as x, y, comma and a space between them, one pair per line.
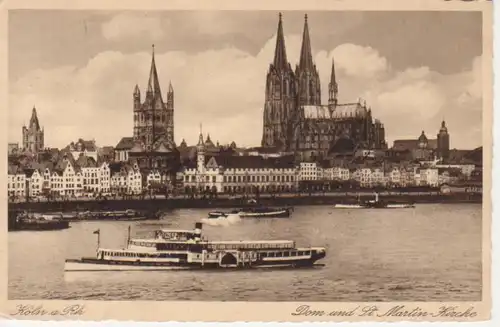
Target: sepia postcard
257, 161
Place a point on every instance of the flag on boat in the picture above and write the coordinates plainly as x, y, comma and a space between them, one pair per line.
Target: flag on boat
97, 231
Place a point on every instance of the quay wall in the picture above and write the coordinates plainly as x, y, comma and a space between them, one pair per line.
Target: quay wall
155, 204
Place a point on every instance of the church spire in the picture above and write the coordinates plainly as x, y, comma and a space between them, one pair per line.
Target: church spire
34, 120
200, 138
333, 87
443, 129
306, 60
154, 83
280, 60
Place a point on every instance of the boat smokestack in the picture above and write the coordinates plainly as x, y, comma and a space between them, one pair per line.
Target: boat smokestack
197, 230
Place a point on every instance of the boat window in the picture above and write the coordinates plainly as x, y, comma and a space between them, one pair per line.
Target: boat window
279, 254
301, 252
263, 255
287, 254
314, 252
293, 254
308, 253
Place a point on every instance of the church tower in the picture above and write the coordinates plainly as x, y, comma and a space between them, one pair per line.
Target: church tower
33, 135
200, 158
153, 118
280, 99
138, 116
309, 86
443, 142
333, 89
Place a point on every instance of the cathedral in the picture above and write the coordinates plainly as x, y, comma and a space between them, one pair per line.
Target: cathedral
33, 135
153, 140
296, 121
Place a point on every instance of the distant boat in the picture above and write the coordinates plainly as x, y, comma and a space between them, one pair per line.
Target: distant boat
23, 221
375, 204
126, 215
257, 212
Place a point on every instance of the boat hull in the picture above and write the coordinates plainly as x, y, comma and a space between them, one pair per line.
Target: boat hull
216, 215
40, 226
104, 218
248, 214
87, 264
349, 206
386, 206
274, 214
400, 206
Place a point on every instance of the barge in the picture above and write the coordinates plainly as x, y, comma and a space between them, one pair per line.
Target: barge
257, 212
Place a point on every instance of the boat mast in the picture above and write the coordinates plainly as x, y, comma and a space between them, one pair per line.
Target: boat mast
98, 232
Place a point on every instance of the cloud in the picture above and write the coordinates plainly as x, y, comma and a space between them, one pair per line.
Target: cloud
224, 90
133, 25
358, 61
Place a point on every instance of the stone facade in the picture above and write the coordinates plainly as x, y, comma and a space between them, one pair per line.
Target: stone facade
294, 118
153, 141
423, 148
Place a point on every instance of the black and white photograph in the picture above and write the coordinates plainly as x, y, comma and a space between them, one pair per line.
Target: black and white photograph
248, 155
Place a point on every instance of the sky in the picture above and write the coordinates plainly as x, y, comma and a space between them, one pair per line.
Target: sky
79, 69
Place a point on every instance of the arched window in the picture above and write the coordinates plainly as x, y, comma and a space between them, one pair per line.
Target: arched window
277, 88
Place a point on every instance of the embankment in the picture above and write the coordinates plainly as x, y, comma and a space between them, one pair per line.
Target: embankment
177, 203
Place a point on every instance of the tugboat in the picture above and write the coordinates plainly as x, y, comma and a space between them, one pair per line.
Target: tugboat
257, 212
25, 221
188, 250
375, 204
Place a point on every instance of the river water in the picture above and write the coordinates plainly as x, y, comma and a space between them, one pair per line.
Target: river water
430, 253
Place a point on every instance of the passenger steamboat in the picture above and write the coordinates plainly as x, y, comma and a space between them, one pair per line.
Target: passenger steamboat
186, 249
375, 204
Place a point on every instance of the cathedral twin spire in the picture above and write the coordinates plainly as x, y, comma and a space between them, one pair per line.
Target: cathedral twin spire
280, 60
306, 60
306, 63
